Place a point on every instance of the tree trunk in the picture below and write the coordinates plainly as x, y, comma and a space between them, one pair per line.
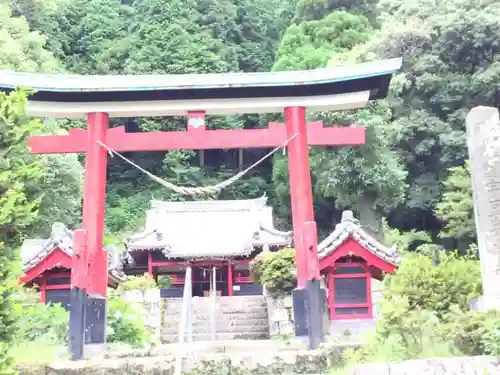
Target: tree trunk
370, 218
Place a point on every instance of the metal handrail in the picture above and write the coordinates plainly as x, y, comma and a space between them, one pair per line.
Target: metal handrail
185, 321
213, 291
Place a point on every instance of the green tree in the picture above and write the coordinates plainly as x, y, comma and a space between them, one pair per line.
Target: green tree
456, 209
451, 64
17, 207
311, 44
308, 10
369, 179
21, 49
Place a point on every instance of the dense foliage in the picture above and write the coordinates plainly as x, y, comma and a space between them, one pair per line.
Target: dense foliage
425, 313
276, 271
17, 206
409, 170
125, 323
43, 323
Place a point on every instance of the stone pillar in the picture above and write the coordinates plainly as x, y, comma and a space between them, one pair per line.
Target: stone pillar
483, 141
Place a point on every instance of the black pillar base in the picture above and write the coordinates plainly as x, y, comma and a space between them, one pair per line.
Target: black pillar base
316, 301
95, 327
308, 310
77, 312
299, 297
87, 322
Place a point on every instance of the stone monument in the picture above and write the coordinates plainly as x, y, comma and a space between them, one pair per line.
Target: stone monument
483, 141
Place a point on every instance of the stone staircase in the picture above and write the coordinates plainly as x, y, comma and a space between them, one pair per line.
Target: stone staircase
237, 318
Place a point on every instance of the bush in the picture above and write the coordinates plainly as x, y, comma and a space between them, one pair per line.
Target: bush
256, 268
39, 321
277, 272
141, 283
426, 306
455, 281
125, 323
472, 332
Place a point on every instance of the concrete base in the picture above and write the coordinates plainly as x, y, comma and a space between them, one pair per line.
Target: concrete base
485, 303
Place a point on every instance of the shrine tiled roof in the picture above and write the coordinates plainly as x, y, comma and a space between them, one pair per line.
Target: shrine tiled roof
350, 228
208, 229
33, 251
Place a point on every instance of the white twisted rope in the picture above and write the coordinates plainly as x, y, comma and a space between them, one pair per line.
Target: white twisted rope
193, 191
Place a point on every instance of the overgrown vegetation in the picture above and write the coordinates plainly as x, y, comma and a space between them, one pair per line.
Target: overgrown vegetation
276, 271
425, 313
412, 173
125, 322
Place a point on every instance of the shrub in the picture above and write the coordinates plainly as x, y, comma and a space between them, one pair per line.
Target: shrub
417, 330
472, 332
141, 283
454, 281
256, 268
164, 281
125, 323
422, 305
277, 271
491, 337
39, 321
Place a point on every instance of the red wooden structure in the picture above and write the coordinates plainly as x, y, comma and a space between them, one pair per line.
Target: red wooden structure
99, 97
47, 265
349, 258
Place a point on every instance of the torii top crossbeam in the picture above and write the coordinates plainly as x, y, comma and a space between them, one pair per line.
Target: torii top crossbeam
74, 96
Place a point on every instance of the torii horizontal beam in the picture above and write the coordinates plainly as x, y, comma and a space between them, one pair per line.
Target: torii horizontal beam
197, 139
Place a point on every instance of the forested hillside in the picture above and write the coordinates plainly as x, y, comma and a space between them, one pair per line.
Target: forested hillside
413, 169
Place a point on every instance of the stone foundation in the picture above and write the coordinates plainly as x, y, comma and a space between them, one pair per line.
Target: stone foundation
267, 357
435, 366
149, 303
280, 312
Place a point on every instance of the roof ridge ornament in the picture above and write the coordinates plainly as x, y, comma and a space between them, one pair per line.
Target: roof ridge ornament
350, 227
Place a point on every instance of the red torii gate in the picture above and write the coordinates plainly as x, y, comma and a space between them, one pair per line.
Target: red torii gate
99, 97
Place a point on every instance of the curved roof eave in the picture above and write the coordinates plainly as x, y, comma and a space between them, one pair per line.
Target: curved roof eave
73, 96
180, 82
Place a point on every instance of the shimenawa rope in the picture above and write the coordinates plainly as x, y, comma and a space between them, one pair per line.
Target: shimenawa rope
192, 191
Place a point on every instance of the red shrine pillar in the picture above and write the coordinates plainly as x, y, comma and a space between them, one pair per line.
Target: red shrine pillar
307, 297
300, 184
89, 276
94, 197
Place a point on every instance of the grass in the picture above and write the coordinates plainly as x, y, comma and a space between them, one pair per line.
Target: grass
39, 351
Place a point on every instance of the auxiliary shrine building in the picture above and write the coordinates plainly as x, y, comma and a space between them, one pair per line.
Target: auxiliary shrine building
220, 236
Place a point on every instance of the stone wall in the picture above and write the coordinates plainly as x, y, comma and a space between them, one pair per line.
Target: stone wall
149, 303
435, 366
280, 312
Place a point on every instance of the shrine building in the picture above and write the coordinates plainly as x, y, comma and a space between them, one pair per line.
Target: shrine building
350, 259
47, 263
225, 235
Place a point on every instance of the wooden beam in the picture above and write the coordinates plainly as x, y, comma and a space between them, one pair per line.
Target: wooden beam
121, 141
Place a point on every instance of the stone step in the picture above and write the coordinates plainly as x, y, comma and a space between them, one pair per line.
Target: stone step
174, 329
221, 301
220, 305
236, 313
219, 336
230, 319
207, 309
257, 322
